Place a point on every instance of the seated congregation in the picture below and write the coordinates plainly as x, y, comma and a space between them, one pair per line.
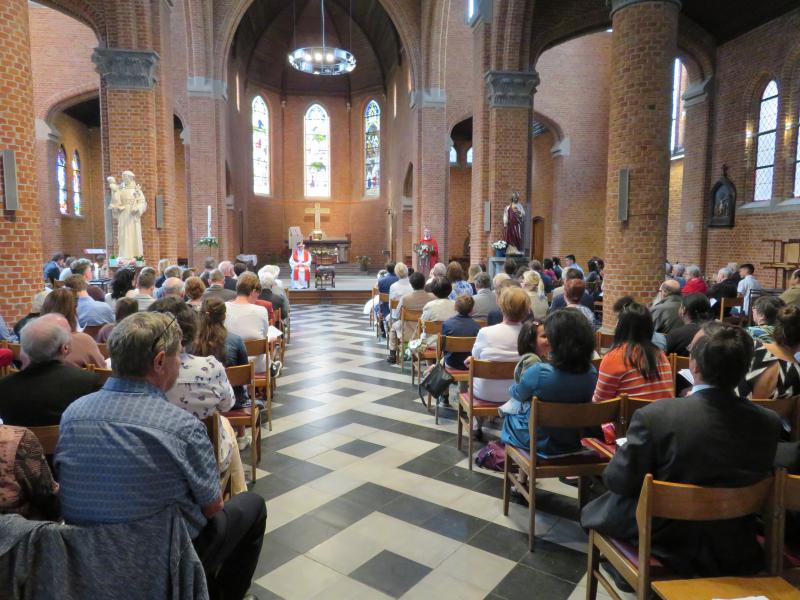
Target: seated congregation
700, 388
123, 414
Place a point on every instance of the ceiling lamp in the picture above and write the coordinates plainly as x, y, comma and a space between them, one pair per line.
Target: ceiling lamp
323, 59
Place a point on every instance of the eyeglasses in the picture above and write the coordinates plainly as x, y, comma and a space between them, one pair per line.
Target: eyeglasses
160, 335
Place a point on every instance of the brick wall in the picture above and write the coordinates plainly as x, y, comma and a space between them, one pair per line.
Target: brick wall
542, 195
459, 198
181, 214
674, 249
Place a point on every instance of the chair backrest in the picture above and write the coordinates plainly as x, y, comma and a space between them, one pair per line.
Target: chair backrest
383, 297
491, 369
393, 303
726, 303
481, 322
454, 344
48, 437
630, 406
677, 364
241, 375
587, 414
791, 492
256, 347
92, 330
277, 315
786, 408
603, 341
408, 314
213, 428
104, 350
430, 327
102, 374
16, 350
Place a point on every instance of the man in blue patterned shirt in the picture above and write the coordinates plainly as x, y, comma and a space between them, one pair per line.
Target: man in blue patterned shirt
125, 453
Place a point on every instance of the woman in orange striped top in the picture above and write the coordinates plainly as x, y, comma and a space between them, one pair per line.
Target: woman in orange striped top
634, 365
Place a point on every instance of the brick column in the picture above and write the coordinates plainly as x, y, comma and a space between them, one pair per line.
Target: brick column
432, 180
510, 98
20, 235
643, 49
129, 125
697, 102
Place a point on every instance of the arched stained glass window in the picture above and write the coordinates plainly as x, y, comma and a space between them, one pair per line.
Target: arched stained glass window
260, 118
797, 162
372, 149
765, 142
76, 183
317, 134
453, 155
469, 156
61, 179
680, 79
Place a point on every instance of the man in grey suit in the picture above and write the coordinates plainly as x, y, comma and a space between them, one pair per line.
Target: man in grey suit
485, 299
216, 287
665, 309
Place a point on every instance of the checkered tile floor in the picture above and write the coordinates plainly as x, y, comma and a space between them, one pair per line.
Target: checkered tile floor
368, 498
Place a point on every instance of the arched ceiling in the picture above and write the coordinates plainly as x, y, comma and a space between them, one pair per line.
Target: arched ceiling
271, 28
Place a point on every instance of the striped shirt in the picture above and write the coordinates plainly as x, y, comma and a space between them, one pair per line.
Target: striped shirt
617, 378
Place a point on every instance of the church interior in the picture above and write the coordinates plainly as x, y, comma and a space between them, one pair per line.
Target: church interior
635, 133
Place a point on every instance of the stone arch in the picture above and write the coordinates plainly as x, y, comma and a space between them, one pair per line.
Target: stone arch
551, 124
85, 11
408, 181
63, 100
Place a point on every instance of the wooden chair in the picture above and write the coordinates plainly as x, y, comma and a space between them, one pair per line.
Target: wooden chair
407, 315
725, 304
592, 462
603, 342
104, 350
629, 406
393, 304
470, 406
48, 437
249, 416
280, 343
372, 312
481, 322
93, 330
379, 317
452, 344
428, 328
786, 559
677, 364
214, 429
787, 409
659, 499
102, 374
262, 381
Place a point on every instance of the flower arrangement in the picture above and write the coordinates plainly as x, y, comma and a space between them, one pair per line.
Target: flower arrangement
363, 261
500, 245
424, 250
208, 241
138, 261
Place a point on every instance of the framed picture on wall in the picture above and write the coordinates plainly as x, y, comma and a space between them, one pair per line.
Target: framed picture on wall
722, 202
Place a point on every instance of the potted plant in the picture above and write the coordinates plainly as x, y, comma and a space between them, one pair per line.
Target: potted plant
139, 261
500, 247
112, 261
208, 242
363, 262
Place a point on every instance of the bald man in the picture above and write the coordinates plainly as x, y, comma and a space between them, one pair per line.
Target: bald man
173, 288
667, 306
38, 394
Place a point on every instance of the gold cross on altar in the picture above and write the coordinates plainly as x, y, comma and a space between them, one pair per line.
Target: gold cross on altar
317, 212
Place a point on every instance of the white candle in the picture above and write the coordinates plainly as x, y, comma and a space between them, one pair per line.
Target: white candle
208, 228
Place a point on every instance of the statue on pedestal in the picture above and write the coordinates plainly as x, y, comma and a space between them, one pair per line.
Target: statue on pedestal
513, 216
127, 205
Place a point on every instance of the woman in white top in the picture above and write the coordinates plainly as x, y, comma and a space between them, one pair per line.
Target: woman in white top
499, 343
440, 309
202, 387
533, 284
245, 318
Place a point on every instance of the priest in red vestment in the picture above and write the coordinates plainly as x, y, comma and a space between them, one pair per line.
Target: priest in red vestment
300, 264
427, 252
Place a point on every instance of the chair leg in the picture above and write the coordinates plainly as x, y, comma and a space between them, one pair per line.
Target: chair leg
592, 566
436, 412
469, 441
430, 396
253, 451
460, 426
506, 484
531, 513
583, 490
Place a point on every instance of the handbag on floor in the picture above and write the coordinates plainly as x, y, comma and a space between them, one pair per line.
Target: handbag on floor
492, 456
436, 381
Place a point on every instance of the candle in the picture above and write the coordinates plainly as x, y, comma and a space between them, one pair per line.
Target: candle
208, 228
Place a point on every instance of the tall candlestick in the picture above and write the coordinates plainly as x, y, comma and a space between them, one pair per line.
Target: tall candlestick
208, 232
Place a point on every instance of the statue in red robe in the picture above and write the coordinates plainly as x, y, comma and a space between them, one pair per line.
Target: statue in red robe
512, 224
427, 252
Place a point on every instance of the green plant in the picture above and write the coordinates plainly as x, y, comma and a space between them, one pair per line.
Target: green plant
318, 166
209, 242
138, 258
363, 260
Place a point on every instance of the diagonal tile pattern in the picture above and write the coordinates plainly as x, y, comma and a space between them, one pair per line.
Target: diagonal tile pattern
369, 498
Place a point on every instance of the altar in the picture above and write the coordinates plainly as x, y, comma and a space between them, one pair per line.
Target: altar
329, 251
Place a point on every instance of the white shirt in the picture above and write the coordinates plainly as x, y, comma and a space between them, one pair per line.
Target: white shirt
744, 288
250, 322
498, 343
397, 290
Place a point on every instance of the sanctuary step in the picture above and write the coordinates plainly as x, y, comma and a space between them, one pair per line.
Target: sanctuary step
342, 269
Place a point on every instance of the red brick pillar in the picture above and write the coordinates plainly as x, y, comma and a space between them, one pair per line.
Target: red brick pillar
129, 125
510, 97
20, 236
694, 200
434, 143
643, 49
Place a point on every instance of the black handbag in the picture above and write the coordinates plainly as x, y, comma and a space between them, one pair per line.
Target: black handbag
435, 382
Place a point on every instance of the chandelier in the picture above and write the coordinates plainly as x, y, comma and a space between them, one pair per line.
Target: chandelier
323, 59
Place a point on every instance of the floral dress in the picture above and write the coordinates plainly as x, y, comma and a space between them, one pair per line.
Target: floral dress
461, 288
26, 483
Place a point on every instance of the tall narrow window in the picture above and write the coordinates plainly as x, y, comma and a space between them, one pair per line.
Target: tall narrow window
372, 149
680, 79
260, 119
797, 163
61, 179
453, 155
76, 183
471, 9
469, 157
765, 142
317, 129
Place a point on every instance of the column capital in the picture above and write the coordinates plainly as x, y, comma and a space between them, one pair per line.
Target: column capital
125, 69
428, 98
698, 92
210, 88
618, 5
511, 89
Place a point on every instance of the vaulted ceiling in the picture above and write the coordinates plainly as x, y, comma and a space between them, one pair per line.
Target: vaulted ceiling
728, 19
272, 28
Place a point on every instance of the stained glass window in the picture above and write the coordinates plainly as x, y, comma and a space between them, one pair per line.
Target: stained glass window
61, 179
317, 131
453, 155
372, 149
797, 163
260, 119
765, 142
680, 79
469, 156
76, 183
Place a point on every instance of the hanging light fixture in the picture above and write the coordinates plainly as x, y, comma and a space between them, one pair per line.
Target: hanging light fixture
323, 59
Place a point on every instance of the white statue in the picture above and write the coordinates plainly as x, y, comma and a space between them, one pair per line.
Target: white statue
127, 206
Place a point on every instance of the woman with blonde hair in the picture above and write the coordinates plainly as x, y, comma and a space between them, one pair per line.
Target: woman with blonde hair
194, 292
534, 285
